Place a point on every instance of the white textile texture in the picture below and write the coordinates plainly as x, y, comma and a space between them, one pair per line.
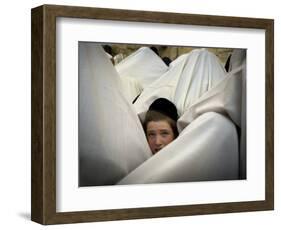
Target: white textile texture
111, 139
112, 143
206, 150
188, 78
139, 70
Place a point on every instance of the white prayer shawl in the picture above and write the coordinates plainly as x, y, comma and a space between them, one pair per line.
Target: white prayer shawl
205, 150
188, 78
224, 98
139, 70
111, 138
112, 143
131, 88
207, 147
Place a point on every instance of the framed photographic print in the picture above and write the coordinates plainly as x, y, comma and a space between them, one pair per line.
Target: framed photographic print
140, 114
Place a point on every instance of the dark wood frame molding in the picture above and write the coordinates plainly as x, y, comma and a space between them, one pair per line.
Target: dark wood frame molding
43, 160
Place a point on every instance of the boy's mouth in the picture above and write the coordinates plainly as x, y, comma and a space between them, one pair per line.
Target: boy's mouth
157, 150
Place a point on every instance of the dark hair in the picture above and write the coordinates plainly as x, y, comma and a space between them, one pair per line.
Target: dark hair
166, 107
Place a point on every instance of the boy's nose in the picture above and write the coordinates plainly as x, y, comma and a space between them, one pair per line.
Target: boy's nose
158, 141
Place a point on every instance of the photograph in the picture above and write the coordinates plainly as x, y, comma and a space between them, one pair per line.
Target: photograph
160, 114
144, 114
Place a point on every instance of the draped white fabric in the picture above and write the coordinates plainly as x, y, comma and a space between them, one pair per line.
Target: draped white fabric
139, 70
188, 78
224, 98
206, 150
208, 145
112, 144
111, 138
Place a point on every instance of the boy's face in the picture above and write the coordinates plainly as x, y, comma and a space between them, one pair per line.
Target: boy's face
159, 134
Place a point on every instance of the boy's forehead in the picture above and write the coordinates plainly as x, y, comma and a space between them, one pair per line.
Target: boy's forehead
162, 124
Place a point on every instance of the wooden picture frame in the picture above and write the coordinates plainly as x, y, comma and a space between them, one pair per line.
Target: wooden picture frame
43, 207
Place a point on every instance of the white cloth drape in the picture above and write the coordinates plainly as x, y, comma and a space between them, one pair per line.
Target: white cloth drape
112, 144
206, 150
224, 98
208, 145
188, 78
111, 139
139, 70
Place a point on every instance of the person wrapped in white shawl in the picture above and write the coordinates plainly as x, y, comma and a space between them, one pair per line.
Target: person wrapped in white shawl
112, 143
